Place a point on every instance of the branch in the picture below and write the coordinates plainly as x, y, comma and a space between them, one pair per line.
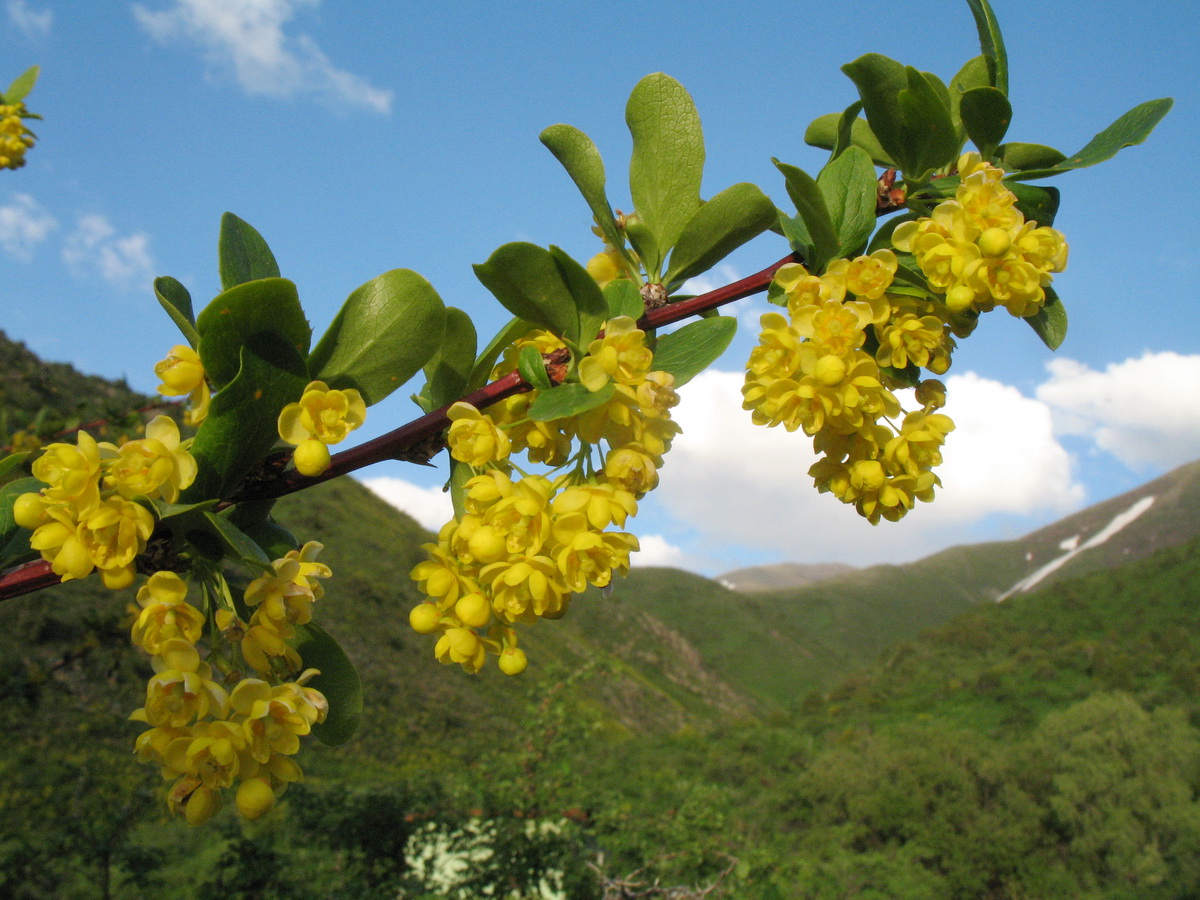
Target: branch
419, 440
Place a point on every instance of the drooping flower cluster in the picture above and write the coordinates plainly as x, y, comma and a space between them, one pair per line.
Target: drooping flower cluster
320, 418
524, 544
15, 137
979, 251
205, 737
828, 368
88, 516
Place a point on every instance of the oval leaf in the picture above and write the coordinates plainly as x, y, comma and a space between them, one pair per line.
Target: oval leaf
447, 373
694, 347
22, 85
338, 681
668, 156
879, 81
1132, 128
850, 190
736, 215
175, 299
224, 326
526, 280
1050, 322
568, 399
991, 43
384, 333
579, 156
986, 115
1015, 156
823, 132
624, 299
243, 254
810, 203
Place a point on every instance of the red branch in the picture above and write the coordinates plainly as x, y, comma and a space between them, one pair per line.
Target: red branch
418, 440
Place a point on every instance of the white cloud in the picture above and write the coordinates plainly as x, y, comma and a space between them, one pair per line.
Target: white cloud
95, 246
430, 506
656, 550
34, 23
1144, 411
734, 482
23, 225
249, 38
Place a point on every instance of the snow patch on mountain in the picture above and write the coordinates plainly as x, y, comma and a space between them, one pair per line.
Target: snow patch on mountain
1074, 548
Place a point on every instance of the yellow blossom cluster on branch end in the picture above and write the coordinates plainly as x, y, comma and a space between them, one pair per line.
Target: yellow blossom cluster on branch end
525, 543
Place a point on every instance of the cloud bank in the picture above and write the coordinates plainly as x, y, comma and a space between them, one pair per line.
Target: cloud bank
95, 247
24, 224
34, 23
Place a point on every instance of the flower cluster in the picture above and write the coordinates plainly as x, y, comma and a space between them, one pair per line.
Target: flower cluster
977, 249
15, 138
89, 516
204, 737
524, 544
829, 367
320, 418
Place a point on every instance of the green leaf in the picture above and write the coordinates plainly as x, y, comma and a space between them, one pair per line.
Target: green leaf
736, 215
930, 139
991, 43
668, 156
275, 540
1036, 203
986, 115
850, 190
243, 254
810, 203
645, 246
14, 540
823, 132
12, 461
1016, 157
845, 128
176, 300
447, 372
694, 347
590, 306
1132, 128
533, 368
22, 85
338, 681
973, 74
1050, 322
384, 333
624, 299
796, 232
569, 399
237, 543
233, 316
481, 372
241, 427
528, 283
579, 156
460, 474
879, 81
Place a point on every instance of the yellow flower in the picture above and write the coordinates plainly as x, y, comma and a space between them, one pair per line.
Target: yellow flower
72, 473
322, 415
631, 469
157, 466
462, 646
183, 690
524, 588
606, 266
474, 438
867, 277
621, 356
602, 504
165, 614
182, 373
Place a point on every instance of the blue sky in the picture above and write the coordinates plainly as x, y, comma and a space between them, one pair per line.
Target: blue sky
361, 137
